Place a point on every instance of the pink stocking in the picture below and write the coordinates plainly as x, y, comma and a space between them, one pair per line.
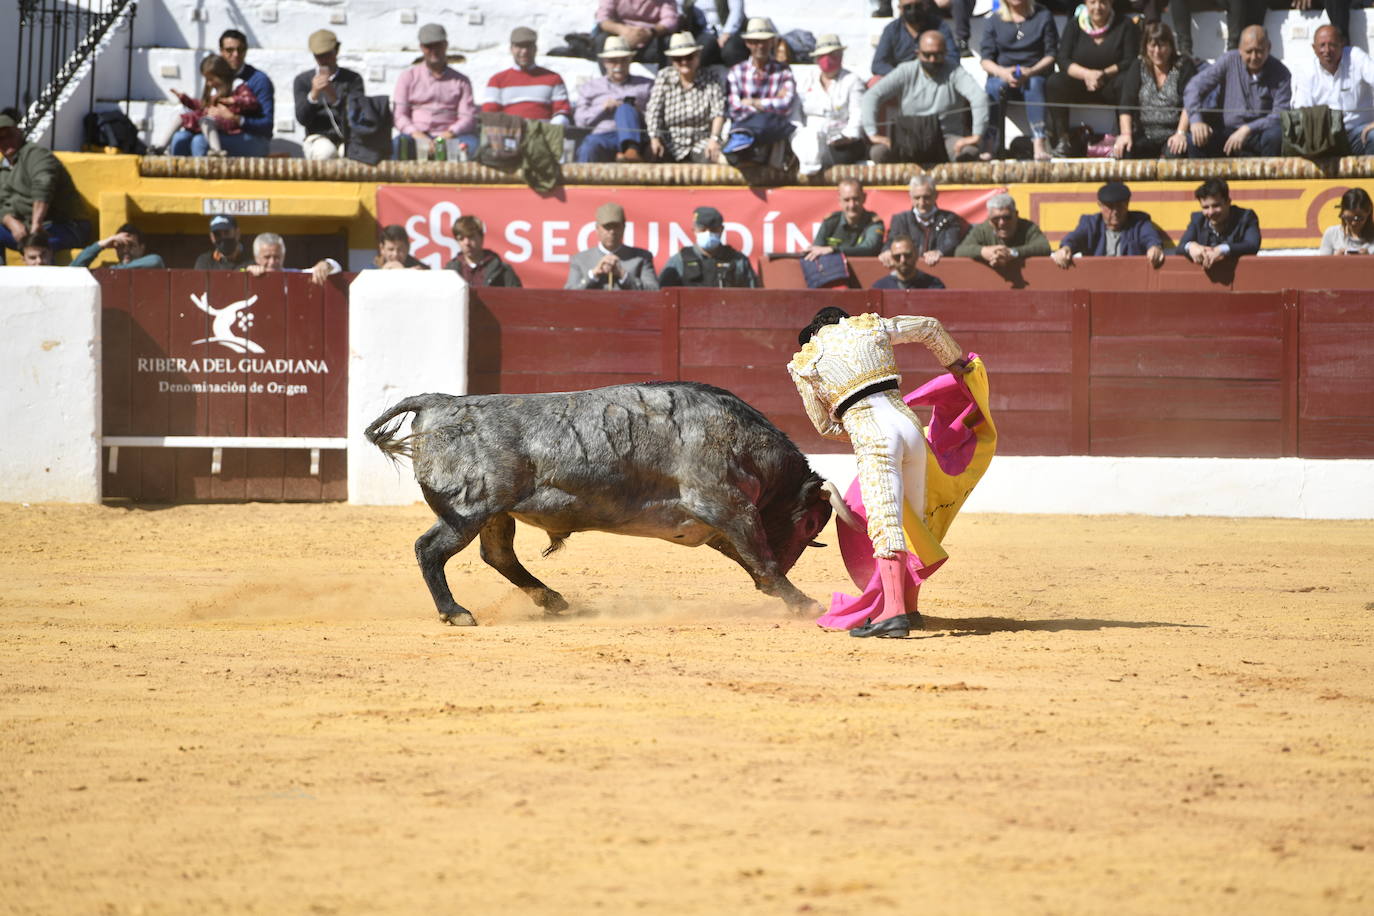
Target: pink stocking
892, 571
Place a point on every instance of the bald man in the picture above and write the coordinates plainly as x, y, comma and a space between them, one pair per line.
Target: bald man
1343, 80
1254, 88
929, 86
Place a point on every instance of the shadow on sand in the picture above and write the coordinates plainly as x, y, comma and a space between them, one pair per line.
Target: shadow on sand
972, 626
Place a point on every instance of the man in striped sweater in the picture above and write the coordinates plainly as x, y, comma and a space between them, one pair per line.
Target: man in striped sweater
527, 90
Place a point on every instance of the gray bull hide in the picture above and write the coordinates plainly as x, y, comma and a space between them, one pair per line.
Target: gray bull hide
684, 462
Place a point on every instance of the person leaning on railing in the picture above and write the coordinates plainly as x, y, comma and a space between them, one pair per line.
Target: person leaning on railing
476, 264
1005, 239
1354, 234
1151, 117
129, 249
1219, 231
1096, 46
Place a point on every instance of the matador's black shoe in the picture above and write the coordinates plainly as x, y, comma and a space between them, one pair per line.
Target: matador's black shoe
898, 627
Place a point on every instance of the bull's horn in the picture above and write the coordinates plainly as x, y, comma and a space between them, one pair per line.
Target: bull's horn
842, 510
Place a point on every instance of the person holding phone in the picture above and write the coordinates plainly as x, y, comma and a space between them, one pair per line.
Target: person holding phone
322, 95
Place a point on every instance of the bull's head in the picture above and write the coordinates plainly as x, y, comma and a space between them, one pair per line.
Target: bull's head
793, 520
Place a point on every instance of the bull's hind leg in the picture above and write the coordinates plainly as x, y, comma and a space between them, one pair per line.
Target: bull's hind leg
498, 549
746, 543
433, 549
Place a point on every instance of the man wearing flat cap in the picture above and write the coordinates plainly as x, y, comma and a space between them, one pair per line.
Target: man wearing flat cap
644, 25
322, 96
710, 262
612, 107
611, 264
1114, 231
527, 90
434, 101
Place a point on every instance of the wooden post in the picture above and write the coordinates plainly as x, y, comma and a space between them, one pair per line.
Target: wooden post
671, 311
1080, 441
1289, 301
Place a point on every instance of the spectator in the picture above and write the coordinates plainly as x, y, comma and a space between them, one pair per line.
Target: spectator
36, 249
1342, 80
1220, 231
709, 262
196, 122
1241, 15
716, 26
905, 272
254, 131
1114, 231
934, 95
477, 265
323, 96
393, 251
35, 193
227, 251
934, 233
1005, 238
1152, 121
611, 264
129, 249
831, 132
850, 230
613, 107
1355, 232
686, 107
1254, 88
1018, 51
527, 90
761, 93
644, 25
1097, 45
433, 101
269, 256
899, 42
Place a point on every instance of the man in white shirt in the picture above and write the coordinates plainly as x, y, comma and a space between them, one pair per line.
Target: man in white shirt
1343, 80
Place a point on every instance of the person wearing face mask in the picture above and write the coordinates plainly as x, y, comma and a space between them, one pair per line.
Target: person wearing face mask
898, 43
710, 262
934, 233
227, 253
831, 132
933, 96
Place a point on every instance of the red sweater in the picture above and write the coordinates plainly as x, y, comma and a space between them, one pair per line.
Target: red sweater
536, 93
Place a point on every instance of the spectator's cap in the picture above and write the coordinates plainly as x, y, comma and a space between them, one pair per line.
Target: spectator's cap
1113, 192
523, 35
708, 218
7, 121
616, 47
223, 221
610, 213
323, 42
682, 44
758, 29
432, 32
827, 44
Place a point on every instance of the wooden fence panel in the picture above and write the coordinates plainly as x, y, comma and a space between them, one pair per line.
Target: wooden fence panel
1336, 374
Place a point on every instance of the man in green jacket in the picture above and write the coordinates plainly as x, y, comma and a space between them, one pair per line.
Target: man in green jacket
128, 246
710, 262
1005, 238
851, 230
35, 193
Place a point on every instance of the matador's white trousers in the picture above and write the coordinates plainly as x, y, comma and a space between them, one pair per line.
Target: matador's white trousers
891, 454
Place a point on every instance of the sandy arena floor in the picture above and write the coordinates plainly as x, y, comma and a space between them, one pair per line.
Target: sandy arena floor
255, 709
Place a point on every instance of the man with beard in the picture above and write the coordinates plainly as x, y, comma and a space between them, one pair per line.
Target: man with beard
1220, 231
1115, 231
905, 274
933, 95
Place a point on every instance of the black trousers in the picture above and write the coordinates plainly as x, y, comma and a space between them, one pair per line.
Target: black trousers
1062, 90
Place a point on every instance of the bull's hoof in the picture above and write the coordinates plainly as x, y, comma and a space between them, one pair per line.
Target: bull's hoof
460, 619
549, 600
806, 608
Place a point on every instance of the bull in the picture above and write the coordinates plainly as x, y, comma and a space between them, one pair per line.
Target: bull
684, 462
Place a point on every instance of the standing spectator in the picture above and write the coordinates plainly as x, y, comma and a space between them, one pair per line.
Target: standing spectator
686, 107
35, 193
1354, 234
269, 256
906, 274
1342, 80
934, 233
36, 250
761, 93
393, 251
1097, 45
434, 101
527, 90
1114, 231
254, 136
129, 249
933, 96
716, 25
898, 43
227, 251
611, 264
1005, 238
709, 262
613, 108
1220, 231
831, 132
1254, 89
477, 265
851, 230
220, 91
322, 98
644, 25
1241, 15
1018, 52
1151, 119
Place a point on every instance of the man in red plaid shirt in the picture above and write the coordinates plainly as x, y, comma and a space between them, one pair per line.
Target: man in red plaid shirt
762, 94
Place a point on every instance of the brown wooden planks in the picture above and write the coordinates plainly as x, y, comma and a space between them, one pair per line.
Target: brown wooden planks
1186, 399
1197, 357
1138, 314
1187, 438
227, 413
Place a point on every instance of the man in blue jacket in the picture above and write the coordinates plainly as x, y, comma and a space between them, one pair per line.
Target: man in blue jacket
256, 137
1114, 231
1220, 231
900, 38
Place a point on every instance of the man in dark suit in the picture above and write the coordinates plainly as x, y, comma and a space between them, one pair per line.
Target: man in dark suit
935, 232
905, 274
1220, 231
1114, 231
611, 264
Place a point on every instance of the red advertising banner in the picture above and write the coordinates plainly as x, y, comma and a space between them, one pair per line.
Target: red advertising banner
538, 234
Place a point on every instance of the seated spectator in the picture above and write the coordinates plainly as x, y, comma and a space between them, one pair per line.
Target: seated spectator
1114, 231
269, 256
761, 93
933, 97
1220, 231
35, 193
1342, 80
1254, 88
710, 262
477, 265
393, 251
1152, 121
1005, 239
527, 90
934, 233
851, 230
831, 132
1097, 45
322, 98
613, 107
905, 272
1018, 51
197, 123
898, 43
36, 250
129, 249
433, 101
644, 26
1354, 234
227, 251
247, 134
611, 264
716, 25
686, 114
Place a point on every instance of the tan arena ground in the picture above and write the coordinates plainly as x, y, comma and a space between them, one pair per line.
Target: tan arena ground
254, 708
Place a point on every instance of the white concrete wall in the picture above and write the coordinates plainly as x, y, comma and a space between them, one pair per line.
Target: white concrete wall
50, 379
407, 335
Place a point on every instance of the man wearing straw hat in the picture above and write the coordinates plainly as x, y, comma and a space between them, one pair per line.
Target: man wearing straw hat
761, 92
612, 107
686, 113
831, 132
644, 26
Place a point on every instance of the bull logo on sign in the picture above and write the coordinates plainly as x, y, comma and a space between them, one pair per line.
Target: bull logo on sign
225, 321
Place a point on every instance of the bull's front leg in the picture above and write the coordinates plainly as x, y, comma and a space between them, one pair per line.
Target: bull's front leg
435, 548
746, 543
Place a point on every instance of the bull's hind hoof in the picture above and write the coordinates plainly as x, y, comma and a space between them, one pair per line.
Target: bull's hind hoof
461, 619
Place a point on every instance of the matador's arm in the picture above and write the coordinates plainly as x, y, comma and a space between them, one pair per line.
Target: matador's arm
928, 331
820, 416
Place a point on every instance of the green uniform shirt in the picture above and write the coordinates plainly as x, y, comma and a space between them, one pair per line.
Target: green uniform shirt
34, 175
862, 241
693, 267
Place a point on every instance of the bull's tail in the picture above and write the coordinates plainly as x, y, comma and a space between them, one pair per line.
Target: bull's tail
384, 430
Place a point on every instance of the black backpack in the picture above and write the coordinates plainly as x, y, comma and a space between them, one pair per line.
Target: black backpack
113, 128
369, 128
